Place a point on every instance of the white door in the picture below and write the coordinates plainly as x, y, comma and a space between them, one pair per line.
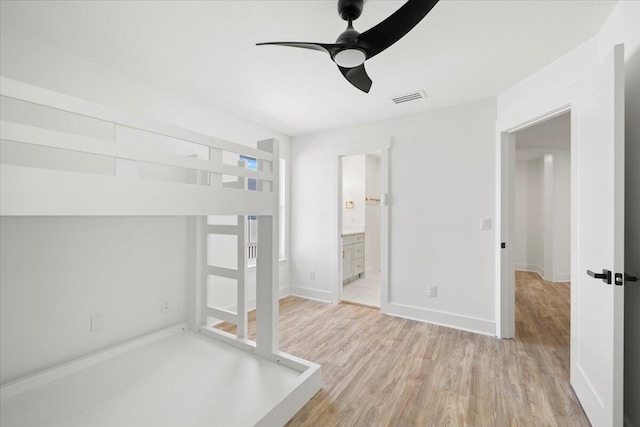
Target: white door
597, 316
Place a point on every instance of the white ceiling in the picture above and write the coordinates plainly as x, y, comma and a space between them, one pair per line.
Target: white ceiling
463, 51
535, 141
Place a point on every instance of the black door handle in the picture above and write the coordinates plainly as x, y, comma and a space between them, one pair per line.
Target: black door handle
630, 278
605, 275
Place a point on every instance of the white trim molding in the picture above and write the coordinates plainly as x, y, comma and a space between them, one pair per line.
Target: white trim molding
531, 268
312, 294
530, 114
450, 320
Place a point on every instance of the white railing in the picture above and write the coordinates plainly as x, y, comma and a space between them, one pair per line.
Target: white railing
252, 251
132, 141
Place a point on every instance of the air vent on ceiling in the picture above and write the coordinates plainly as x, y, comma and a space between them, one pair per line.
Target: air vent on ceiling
413, 96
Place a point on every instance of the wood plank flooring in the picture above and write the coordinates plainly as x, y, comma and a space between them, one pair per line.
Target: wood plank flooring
384, 371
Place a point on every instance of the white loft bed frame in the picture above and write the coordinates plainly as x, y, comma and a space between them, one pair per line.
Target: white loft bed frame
29, 191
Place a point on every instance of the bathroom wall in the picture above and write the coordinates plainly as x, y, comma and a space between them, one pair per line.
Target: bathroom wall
529, 215
353, 190
372, 215
543, 214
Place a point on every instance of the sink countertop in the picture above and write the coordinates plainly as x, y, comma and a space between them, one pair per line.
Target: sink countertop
351, 233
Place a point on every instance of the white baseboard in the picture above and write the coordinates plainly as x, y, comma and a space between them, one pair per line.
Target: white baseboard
531, 268
470, 324
314, 294
563, 277
285, 291
456, 321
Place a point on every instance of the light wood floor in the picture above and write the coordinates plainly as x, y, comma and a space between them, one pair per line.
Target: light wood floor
385, 371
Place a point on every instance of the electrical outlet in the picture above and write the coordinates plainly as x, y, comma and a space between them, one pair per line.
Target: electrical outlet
312, 274
433, 291
164, 306
97, 322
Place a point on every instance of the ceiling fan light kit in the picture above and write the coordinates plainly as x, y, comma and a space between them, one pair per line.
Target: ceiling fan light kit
352, 49
350, 58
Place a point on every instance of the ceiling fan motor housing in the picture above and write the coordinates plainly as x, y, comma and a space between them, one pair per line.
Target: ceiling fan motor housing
348, 36
350, 10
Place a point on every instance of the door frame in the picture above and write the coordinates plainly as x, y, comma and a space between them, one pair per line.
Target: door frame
382, 146
531, 108
505, 259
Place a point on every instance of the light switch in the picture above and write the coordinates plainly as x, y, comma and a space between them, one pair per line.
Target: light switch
485, 223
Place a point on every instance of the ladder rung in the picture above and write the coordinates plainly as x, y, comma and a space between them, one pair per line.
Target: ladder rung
223, 272
232, 230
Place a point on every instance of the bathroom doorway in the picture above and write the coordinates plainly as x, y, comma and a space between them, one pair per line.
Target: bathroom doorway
361, 229
361, 224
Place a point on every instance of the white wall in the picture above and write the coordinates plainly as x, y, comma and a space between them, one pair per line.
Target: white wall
529, 218
551, 139
372, 240
543, 214
561, 216
552, 87
57, 272
372, 176
441, 183
353, 189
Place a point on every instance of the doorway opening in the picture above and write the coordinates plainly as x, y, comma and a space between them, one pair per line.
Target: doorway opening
360, 224
597, 229
535, 209
360, 235
542, 229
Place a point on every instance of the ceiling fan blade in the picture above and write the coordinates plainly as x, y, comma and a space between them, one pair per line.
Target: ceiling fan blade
392, 29
358, 77
321, 47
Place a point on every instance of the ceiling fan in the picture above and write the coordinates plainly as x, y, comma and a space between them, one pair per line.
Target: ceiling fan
352, 49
